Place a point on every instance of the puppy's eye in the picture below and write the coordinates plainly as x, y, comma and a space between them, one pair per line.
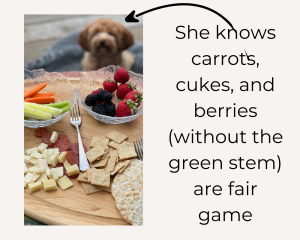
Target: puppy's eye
111, 34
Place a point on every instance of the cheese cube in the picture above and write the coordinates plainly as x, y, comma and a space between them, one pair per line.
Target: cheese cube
25, 185
28, 177
54, 159
44, 152
49, 174
35, 177
59, 171
31, 150
33, 162
62, 157
50, 185
54, 174
42, 147
65, 183
36, 155
73, 170
53, 150
42, 178
25, 169
53, 137
47, 156
41, 163
66, 164
26, 159
31, 169
33, 187
38, 171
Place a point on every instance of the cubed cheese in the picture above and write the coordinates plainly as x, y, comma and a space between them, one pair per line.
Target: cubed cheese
33, 162
35, 177
25, 185
38, 171
54, 159
41, 163
31, 150
36, 155
42, 178
44, 152
50, 185
42, 147
31, 169
47, 156
53, 150
73, 170
26, 159
62, 157
33, 187
53, 137
28, 177
59, 171
49, 174
54, 174
65, 183
25, 169
66, 164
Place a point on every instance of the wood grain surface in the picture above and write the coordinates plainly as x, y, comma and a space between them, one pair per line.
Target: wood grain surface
73, 206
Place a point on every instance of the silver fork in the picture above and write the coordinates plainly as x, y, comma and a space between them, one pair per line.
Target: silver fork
75, 120
138, 145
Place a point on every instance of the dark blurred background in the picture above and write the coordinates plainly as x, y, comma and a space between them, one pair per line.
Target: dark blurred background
50, 41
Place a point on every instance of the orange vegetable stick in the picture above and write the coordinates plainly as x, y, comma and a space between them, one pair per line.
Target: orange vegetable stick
44, 94
34, 90
41, 100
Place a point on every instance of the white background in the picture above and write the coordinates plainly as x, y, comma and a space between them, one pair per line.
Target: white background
170, 208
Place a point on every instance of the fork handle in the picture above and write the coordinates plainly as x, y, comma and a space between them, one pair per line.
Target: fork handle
83, 162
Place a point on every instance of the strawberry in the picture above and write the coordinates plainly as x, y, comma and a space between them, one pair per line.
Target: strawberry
134, 96
126, 108
121, 76
125, 88
110, 85
96, 91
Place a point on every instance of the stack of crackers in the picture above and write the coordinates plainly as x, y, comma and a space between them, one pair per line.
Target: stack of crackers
127, 190
109, 155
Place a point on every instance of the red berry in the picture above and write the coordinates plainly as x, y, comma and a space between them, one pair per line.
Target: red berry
126, 108
134, 96
125, 88
110, 85
121, 76
96, 92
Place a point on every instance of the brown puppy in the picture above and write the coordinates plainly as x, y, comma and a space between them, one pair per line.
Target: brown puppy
104, 42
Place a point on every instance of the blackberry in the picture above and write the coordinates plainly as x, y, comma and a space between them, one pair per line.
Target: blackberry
104, 96
90, 100
110, 109
98, 108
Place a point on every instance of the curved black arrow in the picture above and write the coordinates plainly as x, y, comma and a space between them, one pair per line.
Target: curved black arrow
131, 18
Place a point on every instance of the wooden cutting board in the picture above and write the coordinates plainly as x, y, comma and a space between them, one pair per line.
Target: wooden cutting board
73, 206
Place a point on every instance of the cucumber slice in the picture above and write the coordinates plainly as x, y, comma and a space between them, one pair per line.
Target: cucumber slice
59, 105
53, 111
66, 109
37, 114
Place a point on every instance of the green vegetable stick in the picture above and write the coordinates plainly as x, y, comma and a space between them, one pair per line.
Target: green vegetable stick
59, 105
66, 109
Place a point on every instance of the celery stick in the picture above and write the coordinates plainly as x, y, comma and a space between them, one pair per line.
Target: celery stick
37, 114
59, 105
67, 108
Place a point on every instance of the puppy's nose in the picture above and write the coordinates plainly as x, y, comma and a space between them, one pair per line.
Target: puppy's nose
102, 42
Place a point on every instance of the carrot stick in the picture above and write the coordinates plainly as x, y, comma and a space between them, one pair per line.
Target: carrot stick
34, 90
41, 100
48, 94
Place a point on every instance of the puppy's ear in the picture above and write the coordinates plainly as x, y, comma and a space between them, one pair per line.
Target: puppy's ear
127, 39
83, 41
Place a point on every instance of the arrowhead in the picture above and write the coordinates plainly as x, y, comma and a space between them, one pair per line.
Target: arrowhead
131, 18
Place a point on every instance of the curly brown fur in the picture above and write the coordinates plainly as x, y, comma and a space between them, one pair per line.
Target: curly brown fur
105, 42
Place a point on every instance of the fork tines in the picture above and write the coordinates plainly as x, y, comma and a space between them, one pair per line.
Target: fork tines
138, 149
